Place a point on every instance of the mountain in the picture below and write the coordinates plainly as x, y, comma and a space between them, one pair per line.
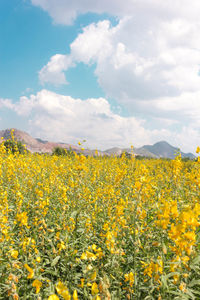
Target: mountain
160, 149
142, 152
164, 149
136, 151
114, 151
41, 146
35, 145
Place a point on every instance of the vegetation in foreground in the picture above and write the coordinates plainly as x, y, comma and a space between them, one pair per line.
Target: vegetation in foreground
98, 228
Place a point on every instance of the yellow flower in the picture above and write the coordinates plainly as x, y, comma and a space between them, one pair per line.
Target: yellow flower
82, 282
176, 278
94, 247
30, 270
198, 149
15, 296
37, 284
14, 253
83, 256
66, 295
63, 291
90, 255
129, 277
93, 276
60, 287
94, 289
10, 277
23, 218
61, 246
38, 259
15, 265
75, 295
53, 297
182, 287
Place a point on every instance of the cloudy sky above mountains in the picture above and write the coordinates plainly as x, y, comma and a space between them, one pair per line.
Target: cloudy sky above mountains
115, 72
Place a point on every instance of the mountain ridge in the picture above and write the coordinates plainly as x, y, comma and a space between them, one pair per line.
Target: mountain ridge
161, 149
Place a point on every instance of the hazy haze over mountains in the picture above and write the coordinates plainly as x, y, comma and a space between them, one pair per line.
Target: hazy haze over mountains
159, 149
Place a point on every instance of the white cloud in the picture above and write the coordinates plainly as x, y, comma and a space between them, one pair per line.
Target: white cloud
62, 118
153, 52
136, 60
6, 103
66, 11
185, 108
53, 72
149, 62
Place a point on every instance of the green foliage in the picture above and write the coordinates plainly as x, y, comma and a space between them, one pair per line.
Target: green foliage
141, 157
126, 154
13, 146
185, 159
59, 151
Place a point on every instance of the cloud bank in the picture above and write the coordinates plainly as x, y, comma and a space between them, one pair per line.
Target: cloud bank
66, 11
149, 68
62, 118
142, 58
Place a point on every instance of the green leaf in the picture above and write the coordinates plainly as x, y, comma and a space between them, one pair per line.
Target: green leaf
196, 292
189, 292
74, 214
195, 262
55, 261
194, 282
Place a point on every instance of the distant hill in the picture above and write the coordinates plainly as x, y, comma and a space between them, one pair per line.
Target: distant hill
35, 145
114, 151
42, 146
164, 149
160, 149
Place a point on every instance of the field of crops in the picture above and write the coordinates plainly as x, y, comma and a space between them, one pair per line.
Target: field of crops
73, 227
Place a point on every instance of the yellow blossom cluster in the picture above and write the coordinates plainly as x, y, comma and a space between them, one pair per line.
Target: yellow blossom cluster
75, 227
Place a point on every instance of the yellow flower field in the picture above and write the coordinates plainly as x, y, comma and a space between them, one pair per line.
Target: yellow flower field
73, 227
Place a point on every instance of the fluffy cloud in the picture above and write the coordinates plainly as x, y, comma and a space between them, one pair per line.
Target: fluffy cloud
6, 103
65, 11
148, 62
136, 59
152, 53
53, 72
182, 110
62, 118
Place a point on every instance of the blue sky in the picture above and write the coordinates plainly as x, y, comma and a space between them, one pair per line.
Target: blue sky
28, 40
112, 73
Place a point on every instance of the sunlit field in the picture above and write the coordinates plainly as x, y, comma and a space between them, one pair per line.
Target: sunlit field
76, 227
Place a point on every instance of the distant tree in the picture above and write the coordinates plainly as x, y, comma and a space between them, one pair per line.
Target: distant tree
59, 151
141, 157
185, 159
13, 146
126, 154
